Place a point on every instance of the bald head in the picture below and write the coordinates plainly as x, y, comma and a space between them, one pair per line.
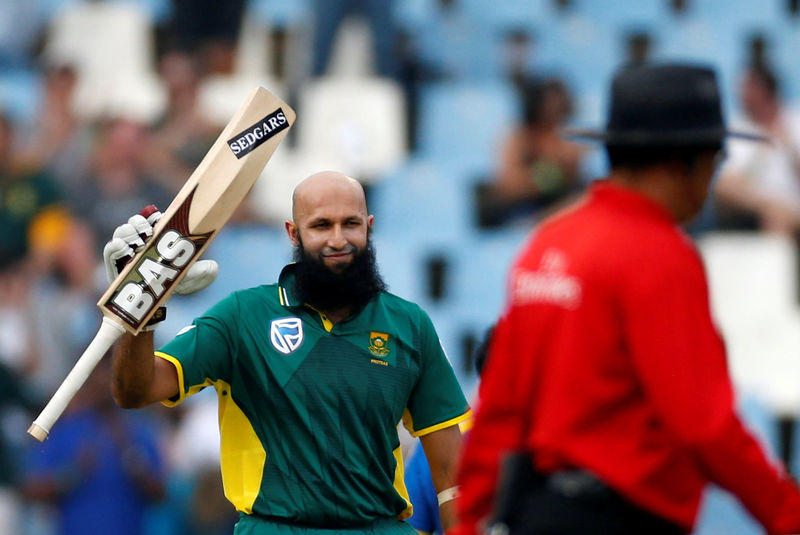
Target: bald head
327, 187
329, 215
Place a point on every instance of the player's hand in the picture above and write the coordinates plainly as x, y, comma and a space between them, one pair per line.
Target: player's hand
130, 237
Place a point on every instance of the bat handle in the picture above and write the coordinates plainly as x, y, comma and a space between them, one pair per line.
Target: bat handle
109, 332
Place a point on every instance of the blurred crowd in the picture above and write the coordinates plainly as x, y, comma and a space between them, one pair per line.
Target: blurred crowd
105, 137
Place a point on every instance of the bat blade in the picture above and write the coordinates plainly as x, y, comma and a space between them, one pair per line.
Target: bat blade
199, 211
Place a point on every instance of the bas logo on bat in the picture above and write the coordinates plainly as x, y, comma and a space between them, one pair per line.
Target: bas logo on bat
257, 134
156, 271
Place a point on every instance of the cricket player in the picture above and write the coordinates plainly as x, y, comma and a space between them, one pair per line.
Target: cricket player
606, 389
313, 375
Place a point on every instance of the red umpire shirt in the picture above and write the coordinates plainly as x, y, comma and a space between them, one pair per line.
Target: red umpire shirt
607, 359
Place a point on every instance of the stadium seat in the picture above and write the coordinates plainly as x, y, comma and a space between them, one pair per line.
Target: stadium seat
275, 39
360, 121
401, 262
581, 50
220, 96
481, 272
453, 41
281, 12
424, 200
620, 15
465, 124
703, 40
111, 45
508, 14
753, 293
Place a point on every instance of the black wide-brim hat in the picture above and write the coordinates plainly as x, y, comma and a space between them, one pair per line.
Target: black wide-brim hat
664, 105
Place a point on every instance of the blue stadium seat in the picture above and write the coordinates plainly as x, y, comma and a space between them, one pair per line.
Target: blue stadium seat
454, 41
739, 15
423, 200
504, 15
249, 256
704, 41
784, 43
412, 14
618, 15
581, 51
465, 123
281, 12
451, 331
480, 273
401, 261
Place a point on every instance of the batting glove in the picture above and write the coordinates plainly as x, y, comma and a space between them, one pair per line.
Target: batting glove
129, 238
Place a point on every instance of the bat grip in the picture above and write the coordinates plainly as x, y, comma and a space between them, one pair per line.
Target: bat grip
109, 332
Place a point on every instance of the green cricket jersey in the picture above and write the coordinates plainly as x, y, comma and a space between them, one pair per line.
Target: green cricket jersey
308, 411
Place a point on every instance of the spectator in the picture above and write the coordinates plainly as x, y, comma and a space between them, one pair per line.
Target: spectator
14, 354
208, 28
759, 187
537, 169
102, 469
61, 309
329, 15
182, 136
58, 141
121, 180
31, 215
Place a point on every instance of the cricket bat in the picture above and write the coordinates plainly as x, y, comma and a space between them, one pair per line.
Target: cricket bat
201, 208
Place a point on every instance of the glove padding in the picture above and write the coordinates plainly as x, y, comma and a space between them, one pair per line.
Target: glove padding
130, 237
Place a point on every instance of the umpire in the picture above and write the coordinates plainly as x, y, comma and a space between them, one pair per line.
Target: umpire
606, 377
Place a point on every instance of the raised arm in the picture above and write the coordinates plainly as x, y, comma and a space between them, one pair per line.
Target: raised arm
139, 377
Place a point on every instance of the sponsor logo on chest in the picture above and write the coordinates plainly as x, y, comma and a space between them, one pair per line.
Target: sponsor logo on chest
286, 334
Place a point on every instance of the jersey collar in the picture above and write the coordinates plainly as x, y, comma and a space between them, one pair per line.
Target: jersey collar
286, 293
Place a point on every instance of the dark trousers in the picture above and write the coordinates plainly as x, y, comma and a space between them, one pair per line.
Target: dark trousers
572, 503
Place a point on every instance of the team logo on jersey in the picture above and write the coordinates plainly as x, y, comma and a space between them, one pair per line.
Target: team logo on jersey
378, 344
286, 334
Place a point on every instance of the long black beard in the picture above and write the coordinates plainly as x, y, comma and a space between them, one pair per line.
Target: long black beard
325, 289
